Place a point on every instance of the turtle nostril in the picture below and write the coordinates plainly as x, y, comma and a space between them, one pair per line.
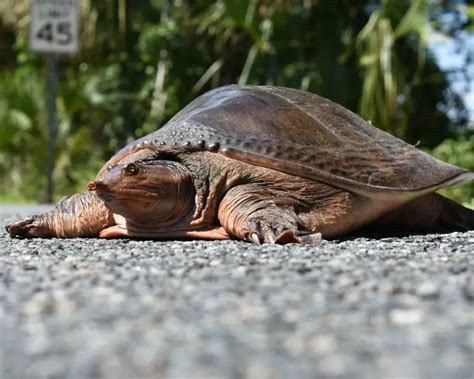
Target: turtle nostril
91, 186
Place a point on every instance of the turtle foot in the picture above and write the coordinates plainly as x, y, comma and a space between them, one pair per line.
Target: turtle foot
268, 230
261, 231
32, 226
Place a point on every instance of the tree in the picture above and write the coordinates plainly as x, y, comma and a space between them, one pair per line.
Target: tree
141, 62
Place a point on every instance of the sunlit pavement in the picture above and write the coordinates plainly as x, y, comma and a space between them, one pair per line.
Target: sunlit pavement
87, 308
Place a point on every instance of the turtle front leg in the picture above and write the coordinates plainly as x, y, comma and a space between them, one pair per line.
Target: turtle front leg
254, 214
79, 215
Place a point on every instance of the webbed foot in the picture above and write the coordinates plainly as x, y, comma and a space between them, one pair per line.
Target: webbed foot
33, 226
260, 229
288, 236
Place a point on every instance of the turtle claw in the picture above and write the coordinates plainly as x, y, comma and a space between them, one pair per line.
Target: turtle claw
270, 237
261, 231
255, 240
263, 234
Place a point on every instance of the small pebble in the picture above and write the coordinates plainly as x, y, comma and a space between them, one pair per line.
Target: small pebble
428, 289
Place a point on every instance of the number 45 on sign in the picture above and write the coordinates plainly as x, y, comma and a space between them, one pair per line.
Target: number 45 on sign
54, 26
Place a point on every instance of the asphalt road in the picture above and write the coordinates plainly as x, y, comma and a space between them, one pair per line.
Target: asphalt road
360, 308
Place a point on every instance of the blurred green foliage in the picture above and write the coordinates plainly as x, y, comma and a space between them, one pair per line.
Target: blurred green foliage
459, 152
141, 61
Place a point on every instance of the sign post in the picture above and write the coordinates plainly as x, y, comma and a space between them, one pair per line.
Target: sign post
51, 105
54, 29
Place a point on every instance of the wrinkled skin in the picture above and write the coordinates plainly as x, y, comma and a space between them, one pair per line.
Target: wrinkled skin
151, 195
265, 165
80, 215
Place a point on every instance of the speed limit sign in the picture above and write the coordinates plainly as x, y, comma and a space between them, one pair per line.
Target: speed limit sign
54, 26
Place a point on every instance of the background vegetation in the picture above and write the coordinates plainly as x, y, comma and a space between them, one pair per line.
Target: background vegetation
141, 61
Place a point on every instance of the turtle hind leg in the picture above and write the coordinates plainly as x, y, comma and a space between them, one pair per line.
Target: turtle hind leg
452, 216
431, 213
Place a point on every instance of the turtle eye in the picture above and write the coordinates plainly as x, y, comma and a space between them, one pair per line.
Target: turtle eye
131, 169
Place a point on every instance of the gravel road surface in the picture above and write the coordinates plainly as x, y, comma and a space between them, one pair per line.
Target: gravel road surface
359, 308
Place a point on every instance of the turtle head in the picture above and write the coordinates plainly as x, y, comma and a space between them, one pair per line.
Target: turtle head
145, 189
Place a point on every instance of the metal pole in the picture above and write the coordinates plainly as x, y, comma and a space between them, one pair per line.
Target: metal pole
51, 104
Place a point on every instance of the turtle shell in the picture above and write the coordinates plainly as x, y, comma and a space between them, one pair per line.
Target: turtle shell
302, 134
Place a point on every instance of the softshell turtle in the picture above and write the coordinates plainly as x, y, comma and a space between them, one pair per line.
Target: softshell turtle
261, 164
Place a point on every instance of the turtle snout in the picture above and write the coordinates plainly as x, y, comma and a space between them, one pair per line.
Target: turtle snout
102, 190
97, 186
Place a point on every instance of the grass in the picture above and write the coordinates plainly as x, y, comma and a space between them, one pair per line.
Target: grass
14, 198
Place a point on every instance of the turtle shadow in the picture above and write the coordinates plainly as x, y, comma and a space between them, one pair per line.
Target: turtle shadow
398, 234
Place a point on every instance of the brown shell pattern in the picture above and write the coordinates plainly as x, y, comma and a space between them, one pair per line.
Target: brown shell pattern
299, 133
